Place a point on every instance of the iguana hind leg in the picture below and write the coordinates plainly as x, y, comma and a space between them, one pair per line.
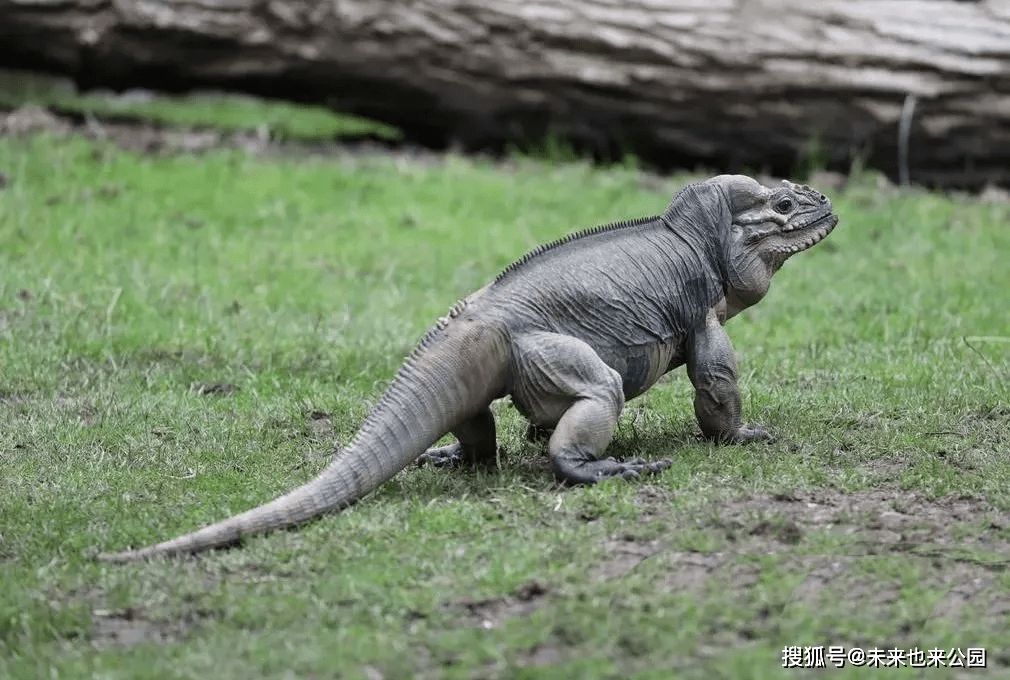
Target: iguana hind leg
476, 445
581, 435
562, 382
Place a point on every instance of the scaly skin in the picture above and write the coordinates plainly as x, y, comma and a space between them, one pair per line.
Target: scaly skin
569, 332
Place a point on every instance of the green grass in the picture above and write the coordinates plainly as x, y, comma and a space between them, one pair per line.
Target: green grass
126, 279
222, 111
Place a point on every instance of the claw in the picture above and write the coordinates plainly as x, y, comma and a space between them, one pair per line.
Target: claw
755, 434
440, 459
746, 435
636, 467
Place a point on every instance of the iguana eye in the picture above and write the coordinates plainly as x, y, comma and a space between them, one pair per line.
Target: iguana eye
784, 206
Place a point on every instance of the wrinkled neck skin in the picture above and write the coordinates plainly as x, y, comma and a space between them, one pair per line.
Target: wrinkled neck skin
748, 269
748, 277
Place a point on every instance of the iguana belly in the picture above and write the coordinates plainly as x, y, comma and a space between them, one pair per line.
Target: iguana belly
553, 370
642, 365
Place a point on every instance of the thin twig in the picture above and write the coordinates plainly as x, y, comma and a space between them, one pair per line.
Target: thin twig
904, 130
112, 307
95, 126
976, 350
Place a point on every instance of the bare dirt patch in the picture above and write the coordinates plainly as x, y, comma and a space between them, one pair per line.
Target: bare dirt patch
132, 626
624, 554
208, 388
880, 520
155, 138
320, 425
491, 613
138, 136
151, 138
948, 549
543, 654
30, 119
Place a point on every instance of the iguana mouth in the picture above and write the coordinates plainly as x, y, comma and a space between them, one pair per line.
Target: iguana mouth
797, 226
797, 237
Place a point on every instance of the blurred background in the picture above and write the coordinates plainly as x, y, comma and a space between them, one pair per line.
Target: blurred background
918, 89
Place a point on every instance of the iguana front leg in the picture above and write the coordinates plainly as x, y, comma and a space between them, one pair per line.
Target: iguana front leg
476, 445
711, 365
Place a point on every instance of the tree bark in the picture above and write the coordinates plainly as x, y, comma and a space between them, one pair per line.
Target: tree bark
728, 84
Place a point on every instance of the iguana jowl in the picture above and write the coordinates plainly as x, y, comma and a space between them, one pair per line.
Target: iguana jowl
571, 331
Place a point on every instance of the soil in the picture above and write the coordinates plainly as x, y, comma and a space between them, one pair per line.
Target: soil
491, 612
949, 540
152, 138
133, 626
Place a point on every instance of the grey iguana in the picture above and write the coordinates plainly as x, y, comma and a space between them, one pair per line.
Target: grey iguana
570, 332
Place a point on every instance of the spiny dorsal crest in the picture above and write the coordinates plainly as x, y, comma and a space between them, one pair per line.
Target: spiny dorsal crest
412, 358
540, 250
440, 325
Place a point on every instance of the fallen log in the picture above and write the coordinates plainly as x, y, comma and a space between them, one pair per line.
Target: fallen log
728, 84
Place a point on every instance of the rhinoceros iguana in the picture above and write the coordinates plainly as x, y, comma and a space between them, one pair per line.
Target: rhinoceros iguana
570, 332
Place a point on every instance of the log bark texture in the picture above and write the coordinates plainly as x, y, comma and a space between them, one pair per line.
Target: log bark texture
729, 84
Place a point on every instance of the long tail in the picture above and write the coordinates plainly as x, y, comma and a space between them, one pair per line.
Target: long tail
452, 374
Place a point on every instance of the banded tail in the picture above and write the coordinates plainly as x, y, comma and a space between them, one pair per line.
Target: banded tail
447, 379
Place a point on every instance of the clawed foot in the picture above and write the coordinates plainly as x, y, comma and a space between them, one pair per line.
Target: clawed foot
746, 435
443, 457
637, 467
582, 470
454, 456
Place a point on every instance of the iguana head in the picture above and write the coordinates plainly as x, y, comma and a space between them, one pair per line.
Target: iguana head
768, 226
